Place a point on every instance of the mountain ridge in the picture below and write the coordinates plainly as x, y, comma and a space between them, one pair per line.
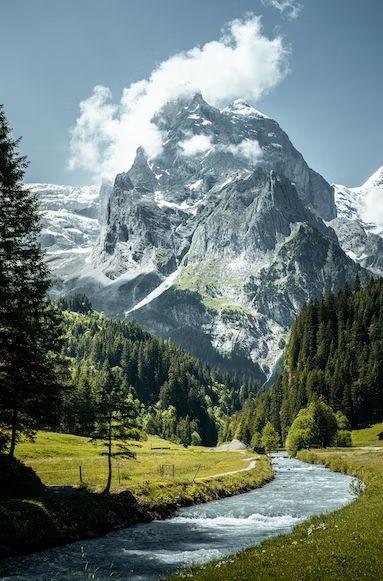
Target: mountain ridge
222, 237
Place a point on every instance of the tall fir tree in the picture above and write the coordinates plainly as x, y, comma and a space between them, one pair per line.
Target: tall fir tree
30, 343
117, 420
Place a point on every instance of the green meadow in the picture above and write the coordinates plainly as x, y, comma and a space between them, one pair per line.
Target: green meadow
57, 459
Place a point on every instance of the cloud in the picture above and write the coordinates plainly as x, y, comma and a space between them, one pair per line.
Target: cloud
242, 63
371, 209
248, 148
291, 8
195, 144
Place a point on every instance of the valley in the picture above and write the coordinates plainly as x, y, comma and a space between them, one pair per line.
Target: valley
191, 291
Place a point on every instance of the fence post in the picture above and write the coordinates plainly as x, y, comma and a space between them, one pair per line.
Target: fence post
173, 471
119, 475
195, 475
80, 468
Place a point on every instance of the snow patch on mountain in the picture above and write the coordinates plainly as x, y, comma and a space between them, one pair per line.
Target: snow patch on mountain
359, 222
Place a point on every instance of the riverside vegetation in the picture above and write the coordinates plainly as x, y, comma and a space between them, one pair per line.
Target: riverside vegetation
341, 546
51, 520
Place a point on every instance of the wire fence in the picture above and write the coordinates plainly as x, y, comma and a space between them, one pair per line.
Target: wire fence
93, 472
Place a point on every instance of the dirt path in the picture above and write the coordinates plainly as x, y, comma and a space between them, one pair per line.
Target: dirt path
251, 465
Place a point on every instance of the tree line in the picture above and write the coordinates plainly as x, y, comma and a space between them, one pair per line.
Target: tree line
335, 352
176, 395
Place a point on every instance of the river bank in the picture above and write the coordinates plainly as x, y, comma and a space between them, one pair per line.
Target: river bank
194, 534
33, 524
342, 546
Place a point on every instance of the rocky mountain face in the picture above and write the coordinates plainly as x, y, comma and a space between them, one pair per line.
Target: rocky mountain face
218, 241
71, 222
359, 224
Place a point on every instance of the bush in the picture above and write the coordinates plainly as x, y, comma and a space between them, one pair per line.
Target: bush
196, 439
316, 424
302, 433
18, 480
256, 443
343, 439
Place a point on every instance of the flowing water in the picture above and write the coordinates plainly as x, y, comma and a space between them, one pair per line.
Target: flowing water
194, 535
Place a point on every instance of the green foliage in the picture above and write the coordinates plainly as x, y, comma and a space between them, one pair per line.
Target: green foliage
75, 303
317, 425
302, 434
176, 394
30, 334
116, 416
196, 439
335, 351
343, 439
270, 438
256, 441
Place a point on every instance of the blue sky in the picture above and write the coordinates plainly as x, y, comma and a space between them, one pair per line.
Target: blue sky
54, 52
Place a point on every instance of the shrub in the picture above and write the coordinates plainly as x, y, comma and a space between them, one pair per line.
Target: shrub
196, 439
343, 439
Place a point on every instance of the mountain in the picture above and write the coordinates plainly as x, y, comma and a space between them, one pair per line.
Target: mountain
359, 224
219, 240
71, 222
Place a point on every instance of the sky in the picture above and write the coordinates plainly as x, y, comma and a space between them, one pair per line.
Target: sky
315, 66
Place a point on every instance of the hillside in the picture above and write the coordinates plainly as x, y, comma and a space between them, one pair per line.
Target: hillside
336, 351
176, 396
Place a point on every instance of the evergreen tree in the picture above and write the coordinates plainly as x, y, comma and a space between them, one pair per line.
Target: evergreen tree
29, 326
116, 418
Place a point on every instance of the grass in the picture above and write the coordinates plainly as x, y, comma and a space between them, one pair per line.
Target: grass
54, 519
368, 436
162, 498
56, 458
346, 545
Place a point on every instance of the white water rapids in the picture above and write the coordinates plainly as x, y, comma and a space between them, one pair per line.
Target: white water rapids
198, 534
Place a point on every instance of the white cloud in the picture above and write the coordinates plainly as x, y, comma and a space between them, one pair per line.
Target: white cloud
248, 148
291, 8
242, 63
371, 209
195, 144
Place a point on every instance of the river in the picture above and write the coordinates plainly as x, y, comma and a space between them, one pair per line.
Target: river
198, 534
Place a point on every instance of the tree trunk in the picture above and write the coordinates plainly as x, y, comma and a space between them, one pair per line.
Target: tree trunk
109, 481
13, 433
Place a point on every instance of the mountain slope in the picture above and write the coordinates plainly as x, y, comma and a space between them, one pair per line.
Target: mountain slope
335, 351
359, 223
220, 239
175, 394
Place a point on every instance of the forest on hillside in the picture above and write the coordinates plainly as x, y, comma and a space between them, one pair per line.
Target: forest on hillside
176, 395
335, 352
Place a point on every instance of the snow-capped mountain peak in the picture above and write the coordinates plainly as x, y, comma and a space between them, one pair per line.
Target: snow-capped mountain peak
359, 222
374, 181
215, 242
242, 108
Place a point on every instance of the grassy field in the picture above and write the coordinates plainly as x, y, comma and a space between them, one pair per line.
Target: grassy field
346, 545
368, 436
57, 459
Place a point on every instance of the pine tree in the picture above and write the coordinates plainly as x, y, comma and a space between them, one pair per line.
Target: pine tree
29, 326
116, 417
